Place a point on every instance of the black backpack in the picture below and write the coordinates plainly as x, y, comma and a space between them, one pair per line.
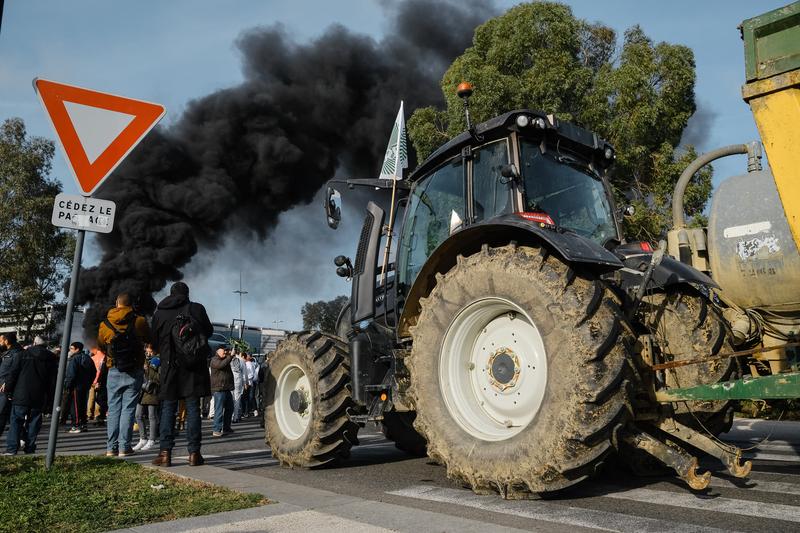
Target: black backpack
188, 340
124, 346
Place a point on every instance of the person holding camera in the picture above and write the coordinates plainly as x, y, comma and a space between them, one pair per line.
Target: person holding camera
148, 402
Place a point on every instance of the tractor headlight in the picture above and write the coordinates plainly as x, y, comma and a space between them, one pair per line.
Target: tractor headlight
523, 121
539, 123
609, 154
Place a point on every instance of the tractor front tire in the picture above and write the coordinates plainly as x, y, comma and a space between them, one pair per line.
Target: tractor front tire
518, 374
307, 396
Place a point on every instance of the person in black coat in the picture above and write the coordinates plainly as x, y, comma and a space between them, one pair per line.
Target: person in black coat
11, 352
30, 386
180, 381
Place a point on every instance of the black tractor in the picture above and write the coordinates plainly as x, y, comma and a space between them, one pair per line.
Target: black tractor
508, 331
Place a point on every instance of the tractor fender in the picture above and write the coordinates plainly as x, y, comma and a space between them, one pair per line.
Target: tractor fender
499, 231
669, 272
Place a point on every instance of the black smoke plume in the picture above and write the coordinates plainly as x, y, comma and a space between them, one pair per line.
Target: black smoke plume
239, 157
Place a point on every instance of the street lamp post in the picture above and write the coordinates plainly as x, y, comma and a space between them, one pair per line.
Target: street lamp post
241, 293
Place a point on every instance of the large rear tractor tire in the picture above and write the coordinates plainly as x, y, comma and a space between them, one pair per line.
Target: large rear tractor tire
518, 375
687, 326
307, 396
399, 428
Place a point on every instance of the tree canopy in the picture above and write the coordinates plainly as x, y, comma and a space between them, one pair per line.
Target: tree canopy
322, 315
637, 94
35, 256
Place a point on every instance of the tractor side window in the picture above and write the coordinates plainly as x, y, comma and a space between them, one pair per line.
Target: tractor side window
435, 210
491, 196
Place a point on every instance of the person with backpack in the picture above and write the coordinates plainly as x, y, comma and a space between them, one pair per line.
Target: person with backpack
122, 337
77, 381
181, 329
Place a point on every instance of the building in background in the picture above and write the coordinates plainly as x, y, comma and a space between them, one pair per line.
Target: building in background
263, 340
48, 322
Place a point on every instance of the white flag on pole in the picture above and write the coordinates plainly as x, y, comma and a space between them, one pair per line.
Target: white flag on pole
396, 158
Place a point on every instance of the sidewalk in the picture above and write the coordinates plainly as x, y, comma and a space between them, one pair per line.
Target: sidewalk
301, 509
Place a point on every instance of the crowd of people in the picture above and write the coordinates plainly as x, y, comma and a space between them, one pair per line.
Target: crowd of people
158, 377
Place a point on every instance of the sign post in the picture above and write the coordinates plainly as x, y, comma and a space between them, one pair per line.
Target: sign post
96, 132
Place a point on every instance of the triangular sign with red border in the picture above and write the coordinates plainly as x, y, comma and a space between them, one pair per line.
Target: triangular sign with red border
97, 130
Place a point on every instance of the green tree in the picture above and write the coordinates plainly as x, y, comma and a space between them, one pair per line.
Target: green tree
322, 315
638, 95
35, 256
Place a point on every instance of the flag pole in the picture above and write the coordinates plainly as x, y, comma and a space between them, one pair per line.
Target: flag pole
389, 229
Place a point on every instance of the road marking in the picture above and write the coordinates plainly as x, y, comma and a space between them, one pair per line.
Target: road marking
772, 457
548, 511
779, 487
254, 450
186, 457
775, 511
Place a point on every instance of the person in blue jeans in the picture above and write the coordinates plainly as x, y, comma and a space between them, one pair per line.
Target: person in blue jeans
30, 385
221, 388
182, 376
125, 372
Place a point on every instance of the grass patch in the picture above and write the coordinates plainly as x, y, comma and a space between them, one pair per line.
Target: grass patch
87, 493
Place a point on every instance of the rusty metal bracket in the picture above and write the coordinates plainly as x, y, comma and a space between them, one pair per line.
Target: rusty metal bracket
731, 458
684, 464
686, 362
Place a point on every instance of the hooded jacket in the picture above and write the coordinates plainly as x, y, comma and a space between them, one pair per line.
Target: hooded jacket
80, 372
33, 380
118, 318
179, 381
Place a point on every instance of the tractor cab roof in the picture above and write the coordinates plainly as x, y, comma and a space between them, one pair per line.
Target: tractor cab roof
573, 137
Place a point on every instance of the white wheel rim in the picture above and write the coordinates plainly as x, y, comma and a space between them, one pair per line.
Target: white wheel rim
291, 423
493, 369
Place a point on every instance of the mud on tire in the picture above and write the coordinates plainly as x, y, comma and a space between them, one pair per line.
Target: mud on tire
688, 326
585, 401
328, 433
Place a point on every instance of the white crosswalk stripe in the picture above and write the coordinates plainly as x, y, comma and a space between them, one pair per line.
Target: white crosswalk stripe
778, 487
687, 500
549, 511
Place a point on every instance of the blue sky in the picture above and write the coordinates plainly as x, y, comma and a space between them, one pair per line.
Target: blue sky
172, 52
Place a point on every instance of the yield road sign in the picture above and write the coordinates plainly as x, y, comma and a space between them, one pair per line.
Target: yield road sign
77, 212
97, 130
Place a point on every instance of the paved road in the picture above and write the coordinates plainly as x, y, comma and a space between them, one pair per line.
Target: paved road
376, 471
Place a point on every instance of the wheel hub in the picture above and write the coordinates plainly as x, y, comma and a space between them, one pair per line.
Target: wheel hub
503, 368
298, 401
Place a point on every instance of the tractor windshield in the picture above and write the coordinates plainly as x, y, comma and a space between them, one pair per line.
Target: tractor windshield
566, 188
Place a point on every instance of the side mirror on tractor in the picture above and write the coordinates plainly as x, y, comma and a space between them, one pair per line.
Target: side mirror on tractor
509, 173
333, 207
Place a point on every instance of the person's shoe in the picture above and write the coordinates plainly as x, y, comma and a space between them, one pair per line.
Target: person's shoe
195, 459
127, 453
255, 413
216, 434
148, 446
112, 453
74, 429
84, 429
9, 454
227, 431
164, 458
139, 445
